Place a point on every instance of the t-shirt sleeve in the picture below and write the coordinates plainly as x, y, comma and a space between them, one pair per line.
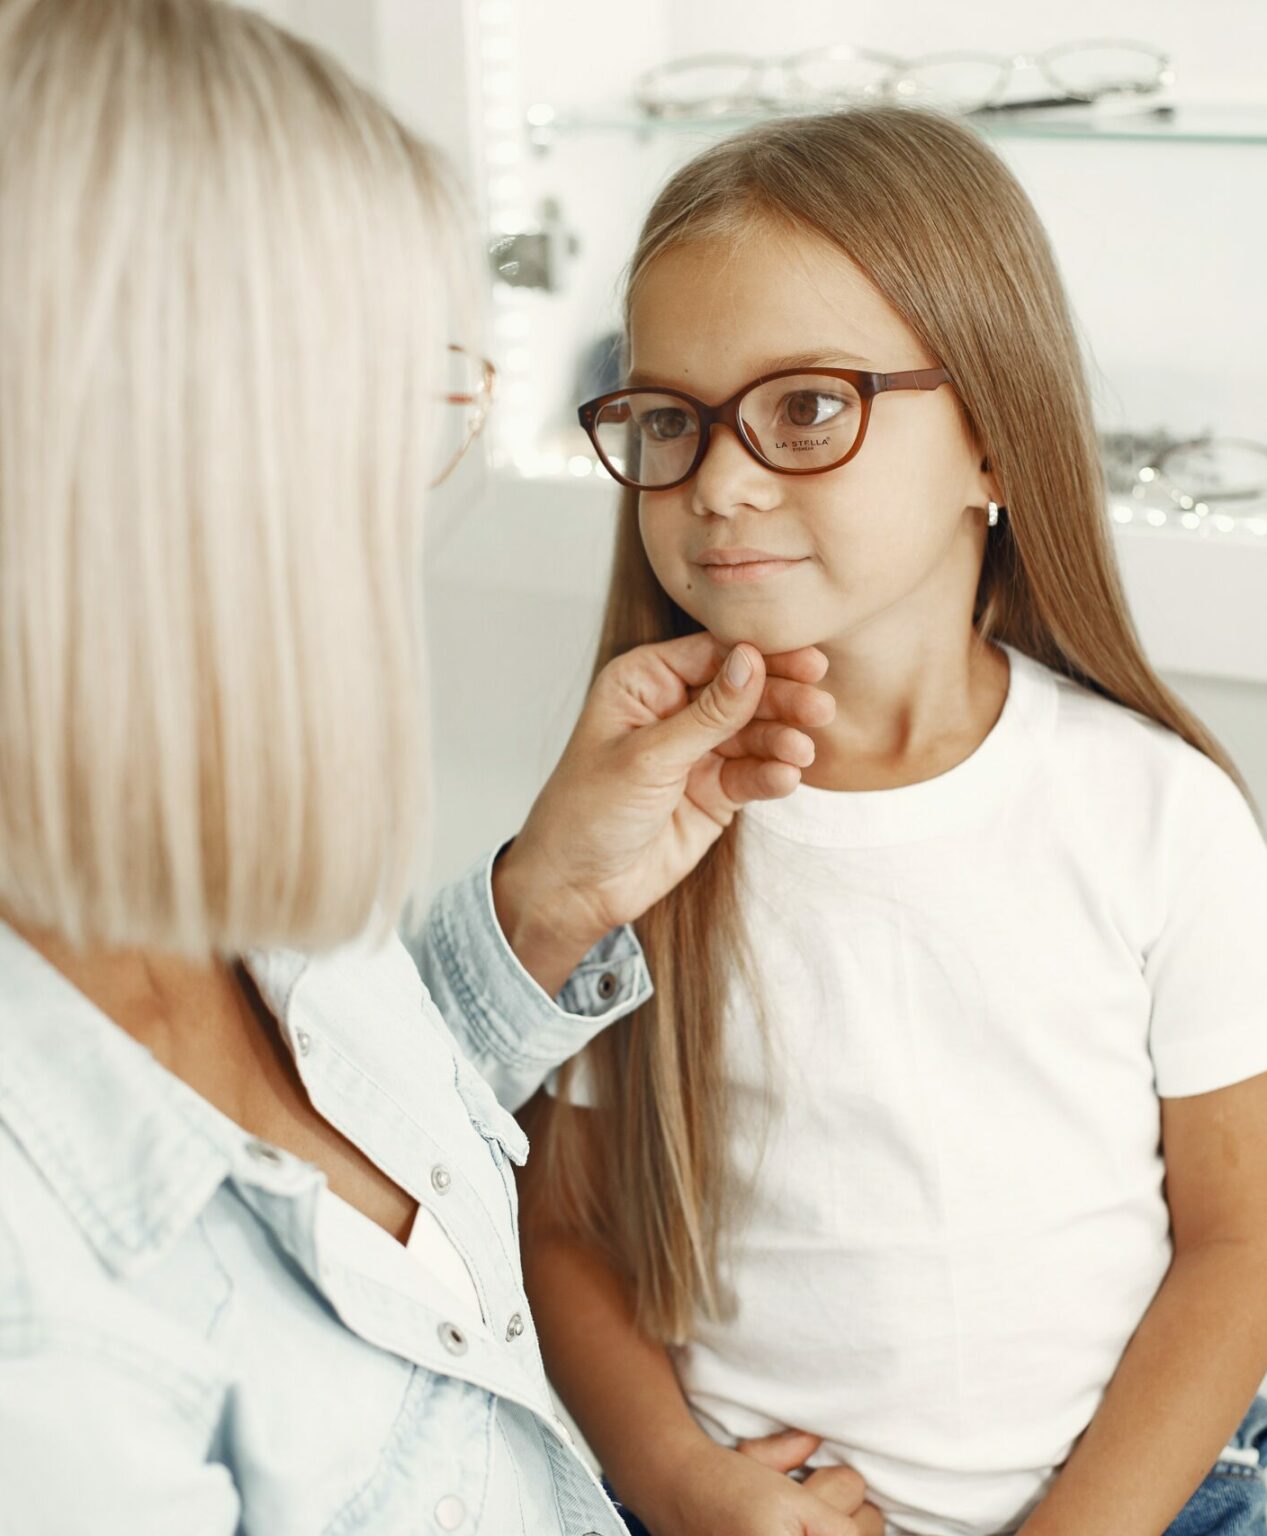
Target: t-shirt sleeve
1207, 967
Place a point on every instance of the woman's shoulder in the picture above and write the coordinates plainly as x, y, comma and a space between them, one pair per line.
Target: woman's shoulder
64, 1313
89, 1373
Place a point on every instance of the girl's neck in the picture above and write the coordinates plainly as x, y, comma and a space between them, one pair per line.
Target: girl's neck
905, 714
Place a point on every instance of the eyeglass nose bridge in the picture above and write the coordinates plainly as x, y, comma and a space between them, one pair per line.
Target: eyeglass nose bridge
727, 415
724, 415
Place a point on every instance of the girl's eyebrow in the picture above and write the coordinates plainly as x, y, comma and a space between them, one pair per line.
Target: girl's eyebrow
832, 359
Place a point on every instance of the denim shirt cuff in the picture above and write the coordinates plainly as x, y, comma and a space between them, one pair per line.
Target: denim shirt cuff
519, 1022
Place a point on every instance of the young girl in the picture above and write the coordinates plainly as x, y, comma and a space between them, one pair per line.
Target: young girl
943, 1138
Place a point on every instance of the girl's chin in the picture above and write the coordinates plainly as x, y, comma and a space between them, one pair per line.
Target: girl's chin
769, 638
771, 632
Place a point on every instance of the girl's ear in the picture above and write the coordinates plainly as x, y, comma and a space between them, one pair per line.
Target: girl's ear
991, 489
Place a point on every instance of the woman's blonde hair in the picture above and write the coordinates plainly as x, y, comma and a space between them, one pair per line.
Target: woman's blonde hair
947, 236
221, 278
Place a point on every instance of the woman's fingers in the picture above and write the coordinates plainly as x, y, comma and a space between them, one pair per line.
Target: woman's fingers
749, 778
795, 703
718, 788
808, 665
669, 666
792, 702
773, 740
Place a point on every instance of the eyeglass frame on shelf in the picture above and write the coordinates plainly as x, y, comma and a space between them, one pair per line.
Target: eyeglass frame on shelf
756, 67
868, 385
900, 70
1157, 473
1009, 64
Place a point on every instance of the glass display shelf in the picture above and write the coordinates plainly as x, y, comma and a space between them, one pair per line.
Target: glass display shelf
1245, 520
1183, 123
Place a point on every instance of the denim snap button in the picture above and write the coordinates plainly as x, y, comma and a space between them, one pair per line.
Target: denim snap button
452, 1337
608, 985
450, 1512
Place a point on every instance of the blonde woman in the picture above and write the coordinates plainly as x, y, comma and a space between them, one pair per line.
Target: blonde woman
943, 1140
258, 1267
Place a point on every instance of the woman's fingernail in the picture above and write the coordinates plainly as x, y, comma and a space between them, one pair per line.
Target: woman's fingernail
738, 668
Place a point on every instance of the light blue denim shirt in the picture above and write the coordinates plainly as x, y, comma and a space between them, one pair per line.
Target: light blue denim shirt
185, 1349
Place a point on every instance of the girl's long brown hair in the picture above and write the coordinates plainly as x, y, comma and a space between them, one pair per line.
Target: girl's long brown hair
946, 234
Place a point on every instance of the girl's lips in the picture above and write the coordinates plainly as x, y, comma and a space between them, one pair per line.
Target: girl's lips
756, 569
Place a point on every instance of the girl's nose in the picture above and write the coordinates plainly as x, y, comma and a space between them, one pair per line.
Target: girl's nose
730, 479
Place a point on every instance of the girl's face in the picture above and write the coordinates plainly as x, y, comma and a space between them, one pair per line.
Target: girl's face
892, 538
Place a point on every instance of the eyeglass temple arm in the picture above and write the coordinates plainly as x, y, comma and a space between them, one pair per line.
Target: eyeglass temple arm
919, 378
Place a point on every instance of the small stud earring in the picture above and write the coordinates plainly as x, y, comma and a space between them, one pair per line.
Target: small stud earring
992, 511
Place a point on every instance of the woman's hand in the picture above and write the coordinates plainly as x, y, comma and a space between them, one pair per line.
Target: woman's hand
673, 740
747, 1492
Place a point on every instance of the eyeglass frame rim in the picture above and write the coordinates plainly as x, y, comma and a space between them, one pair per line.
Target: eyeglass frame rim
899, 69
868, 384
1009, 64
483, 396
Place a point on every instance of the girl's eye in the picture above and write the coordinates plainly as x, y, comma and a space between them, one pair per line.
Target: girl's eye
811, 408
665, 423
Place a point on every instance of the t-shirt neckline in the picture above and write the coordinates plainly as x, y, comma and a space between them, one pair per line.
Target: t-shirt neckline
965, 795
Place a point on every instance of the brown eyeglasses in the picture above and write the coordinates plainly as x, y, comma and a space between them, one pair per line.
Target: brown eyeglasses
797, 421
468, 393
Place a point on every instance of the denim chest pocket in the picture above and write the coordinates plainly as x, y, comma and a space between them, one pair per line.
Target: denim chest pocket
433, 1469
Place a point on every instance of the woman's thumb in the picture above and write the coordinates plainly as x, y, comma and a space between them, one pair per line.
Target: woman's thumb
717, 712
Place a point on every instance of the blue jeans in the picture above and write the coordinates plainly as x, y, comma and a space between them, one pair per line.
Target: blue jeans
1231, 1502
1233, 1499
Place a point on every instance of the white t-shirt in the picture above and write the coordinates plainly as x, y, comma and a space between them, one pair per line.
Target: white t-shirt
428, 1266
977, 989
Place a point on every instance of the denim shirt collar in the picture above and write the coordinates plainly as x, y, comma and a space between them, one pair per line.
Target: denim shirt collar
132, 1152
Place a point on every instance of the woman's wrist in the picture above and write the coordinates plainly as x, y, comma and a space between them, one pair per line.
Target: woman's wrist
547, 933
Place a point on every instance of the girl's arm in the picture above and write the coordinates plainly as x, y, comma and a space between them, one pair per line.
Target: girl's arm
617, 1384
621, 1388
1197, 1358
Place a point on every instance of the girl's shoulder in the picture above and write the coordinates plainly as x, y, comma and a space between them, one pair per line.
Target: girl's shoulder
1136, 767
